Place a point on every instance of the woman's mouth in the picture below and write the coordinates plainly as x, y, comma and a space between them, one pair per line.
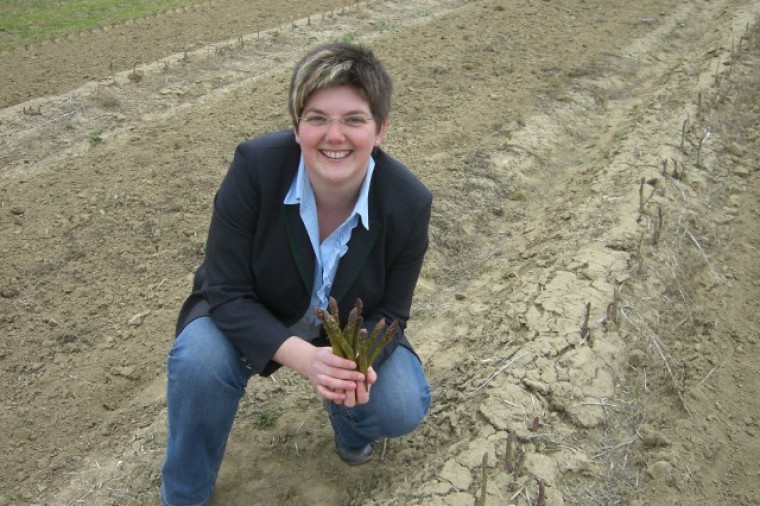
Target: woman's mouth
335, 155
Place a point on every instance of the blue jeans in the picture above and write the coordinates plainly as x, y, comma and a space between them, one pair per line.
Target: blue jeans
206, 380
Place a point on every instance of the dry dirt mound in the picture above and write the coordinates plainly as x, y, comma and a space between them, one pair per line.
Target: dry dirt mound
586, 312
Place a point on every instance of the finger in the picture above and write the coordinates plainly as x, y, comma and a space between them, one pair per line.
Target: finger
336, 396
339, 374
332, 383
350, 400
362, 393
332, 360
371, 376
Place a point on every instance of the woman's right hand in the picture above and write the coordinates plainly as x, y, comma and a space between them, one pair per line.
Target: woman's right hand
334, 378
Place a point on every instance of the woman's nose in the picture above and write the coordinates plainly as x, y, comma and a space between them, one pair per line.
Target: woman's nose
334, 130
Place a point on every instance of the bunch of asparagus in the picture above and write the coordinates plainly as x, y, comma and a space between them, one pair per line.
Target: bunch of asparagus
353, 342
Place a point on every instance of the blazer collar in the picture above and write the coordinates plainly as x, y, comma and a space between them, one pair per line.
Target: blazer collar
300, 245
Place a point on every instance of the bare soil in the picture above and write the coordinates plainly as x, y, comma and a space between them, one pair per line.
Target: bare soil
587, 312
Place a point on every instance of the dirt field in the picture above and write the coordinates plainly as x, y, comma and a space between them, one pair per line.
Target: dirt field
588, 310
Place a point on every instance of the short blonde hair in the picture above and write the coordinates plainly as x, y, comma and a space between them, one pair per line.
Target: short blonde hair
341, 64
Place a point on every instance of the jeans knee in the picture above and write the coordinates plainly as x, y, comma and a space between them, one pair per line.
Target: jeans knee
402, 392
185, 368
407, 413
206, 360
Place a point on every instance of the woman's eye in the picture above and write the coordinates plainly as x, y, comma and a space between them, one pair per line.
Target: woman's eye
316, 120
355, 121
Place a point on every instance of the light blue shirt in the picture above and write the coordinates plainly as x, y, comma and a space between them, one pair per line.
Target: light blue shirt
329, 252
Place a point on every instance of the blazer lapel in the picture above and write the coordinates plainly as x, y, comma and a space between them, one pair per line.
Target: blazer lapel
300, 245
360, 247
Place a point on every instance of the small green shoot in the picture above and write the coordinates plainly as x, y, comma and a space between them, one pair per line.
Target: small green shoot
267, 419
95, 139
348, 37
387, 26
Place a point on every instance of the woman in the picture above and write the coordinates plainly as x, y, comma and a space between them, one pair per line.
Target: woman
303, 215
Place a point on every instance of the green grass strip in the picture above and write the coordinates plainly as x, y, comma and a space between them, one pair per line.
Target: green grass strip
31, 21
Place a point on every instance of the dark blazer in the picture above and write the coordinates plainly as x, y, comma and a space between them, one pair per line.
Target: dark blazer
257, 276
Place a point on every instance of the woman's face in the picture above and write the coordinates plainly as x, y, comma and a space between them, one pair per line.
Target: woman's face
337, 133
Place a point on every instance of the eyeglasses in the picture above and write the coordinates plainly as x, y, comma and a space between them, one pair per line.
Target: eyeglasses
350, 121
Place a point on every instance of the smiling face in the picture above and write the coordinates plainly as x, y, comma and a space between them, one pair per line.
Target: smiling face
336, 151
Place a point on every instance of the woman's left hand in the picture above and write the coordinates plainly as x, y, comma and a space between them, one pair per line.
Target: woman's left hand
360, 394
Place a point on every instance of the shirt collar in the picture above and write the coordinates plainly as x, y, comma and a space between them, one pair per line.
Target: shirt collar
301, 191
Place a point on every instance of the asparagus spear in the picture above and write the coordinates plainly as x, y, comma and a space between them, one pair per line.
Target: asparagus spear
380, 343
350, 331
357, 329
332, 308
337, 341
362, 364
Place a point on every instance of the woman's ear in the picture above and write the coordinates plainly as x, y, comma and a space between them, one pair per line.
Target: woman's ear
381, 132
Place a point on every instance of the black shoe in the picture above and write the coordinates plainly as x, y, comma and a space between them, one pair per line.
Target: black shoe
354, 456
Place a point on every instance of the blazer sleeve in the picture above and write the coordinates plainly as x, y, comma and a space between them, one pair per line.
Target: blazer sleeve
404, 270
408, 204
230, 286
401, 280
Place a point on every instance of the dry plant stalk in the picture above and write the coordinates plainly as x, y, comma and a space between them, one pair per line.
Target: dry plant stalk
699, 146
500, 369
353, 342
639, 254
32, 112
541, 499
519, 460
513, 457
676, 174
483, 481
135, 76
509, 453
717, 74
643, 201
614, 306
585, 329
699, 106
657, 226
